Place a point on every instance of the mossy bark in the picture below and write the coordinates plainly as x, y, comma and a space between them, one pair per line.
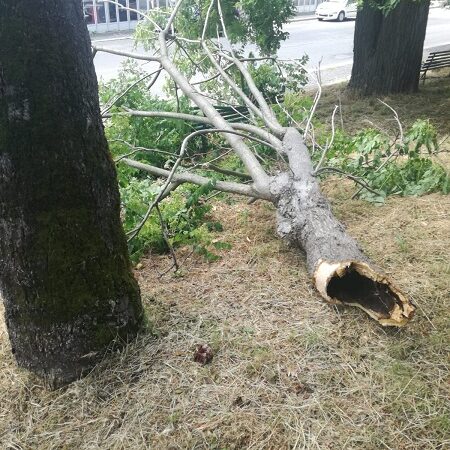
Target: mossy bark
388, 47
65, 275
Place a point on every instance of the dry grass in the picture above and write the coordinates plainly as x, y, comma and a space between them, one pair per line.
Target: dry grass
431, 102
288, 371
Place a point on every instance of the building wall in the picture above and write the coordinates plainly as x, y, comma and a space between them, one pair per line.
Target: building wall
305, 6
101, 15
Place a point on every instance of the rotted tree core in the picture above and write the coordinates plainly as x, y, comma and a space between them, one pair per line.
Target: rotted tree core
359, 284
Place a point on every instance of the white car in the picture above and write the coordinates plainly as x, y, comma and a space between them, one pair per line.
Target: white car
336, 10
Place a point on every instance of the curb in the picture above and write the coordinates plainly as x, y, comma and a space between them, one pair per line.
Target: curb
301, 18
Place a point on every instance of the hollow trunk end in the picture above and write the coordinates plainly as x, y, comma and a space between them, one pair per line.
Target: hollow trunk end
362, 285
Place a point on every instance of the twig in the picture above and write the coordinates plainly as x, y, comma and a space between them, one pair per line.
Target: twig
231, 173
288, 115
340, 112
187, 177
313, 108
269, 116
396, 118
326, 147
163, 191
140, 149
165, 233
111, 103
348, 175
234, 86
127, 54
264, 134
137, 12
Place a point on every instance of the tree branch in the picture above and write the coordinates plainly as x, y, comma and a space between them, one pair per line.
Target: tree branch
270, 118
126, 54
328, 145
187, 177
348, 175
111, 102
126, 8
262, 133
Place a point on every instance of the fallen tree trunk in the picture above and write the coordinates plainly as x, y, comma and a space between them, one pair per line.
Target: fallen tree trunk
341, 272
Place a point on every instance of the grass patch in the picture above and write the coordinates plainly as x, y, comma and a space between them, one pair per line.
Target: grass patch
288, 370
431, 102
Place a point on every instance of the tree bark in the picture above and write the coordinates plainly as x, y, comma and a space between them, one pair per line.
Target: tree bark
65, 275
388, 47
341, 272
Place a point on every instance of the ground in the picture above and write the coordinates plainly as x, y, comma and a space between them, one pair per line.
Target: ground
431, 102
288, 370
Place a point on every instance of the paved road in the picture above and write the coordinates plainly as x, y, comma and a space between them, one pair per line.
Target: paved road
328, 42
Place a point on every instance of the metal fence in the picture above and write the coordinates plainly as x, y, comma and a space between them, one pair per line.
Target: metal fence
102, 15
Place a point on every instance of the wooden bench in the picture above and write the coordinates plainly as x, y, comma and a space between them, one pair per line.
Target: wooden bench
435, 60
230, 113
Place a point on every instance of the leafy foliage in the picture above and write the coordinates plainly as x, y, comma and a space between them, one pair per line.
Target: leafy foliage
185, 213
247, 21
391, 168
255, 21
274, 78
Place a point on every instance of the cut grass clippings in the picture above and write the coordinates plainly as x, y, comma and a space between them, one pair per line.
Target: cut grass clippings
288, 371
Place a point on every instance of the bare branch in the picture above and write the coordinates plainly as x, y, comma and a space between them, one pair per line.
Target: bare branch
313, 108
187, 177
235, 87
212, 77
126, 54
232, 173
112, 102
400, 127
265, 108
141, 149
165, 233
264, 134
146, 16
328, 145
172, 17
164, 191
348, 175
286, 112
226, 131
205, 25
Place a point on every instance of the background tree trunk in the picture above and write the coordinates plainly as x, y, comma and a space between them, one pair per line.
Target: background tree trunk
65, 274
388, 48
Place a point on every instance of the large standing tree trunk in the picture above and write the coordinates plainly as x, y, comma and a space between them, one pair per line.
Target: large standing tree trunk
388, 47
341, 272
65, 275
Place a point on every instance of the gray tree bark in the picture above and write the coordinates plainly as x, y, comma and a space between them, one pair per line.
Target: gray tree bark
388, 47
341, 272
65, 275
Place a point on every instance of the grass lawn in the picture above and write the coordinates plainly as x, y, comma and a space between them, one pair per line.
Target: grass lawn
288, 372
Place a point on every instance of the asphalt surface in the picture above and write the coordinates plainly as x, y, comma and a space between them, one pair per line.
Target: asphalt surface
327, 43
